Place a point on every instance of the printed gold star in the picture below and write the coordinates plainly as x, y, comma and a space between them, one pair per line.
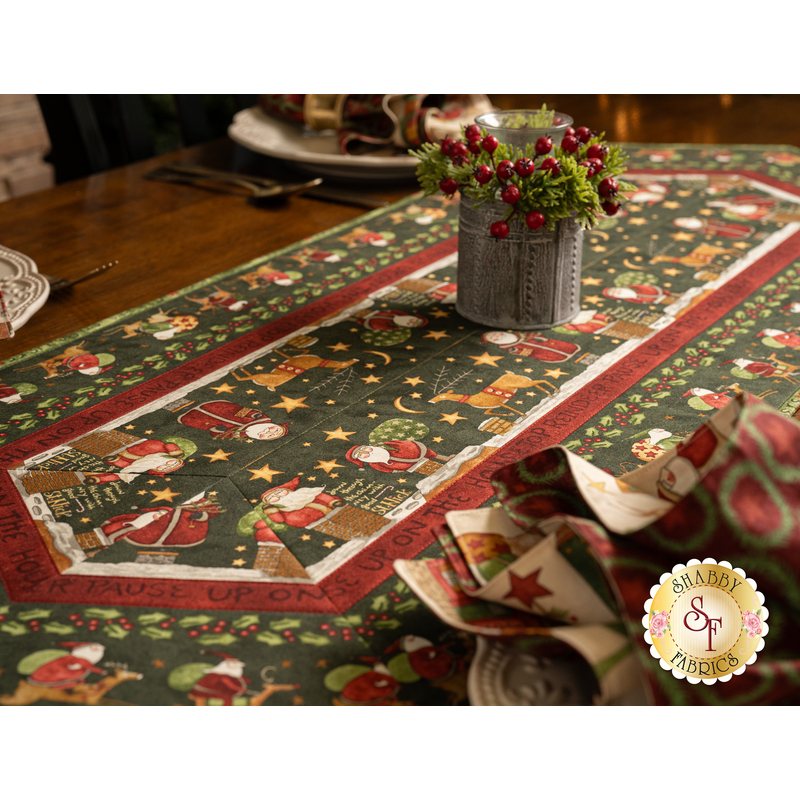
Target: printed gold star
264, 473
255, 402
332, 402
241, 548
369, 366
373, 415
555, 373
338, 434
328, 465
487, 359
741, 245
305, 538
415, 395
338, 346
412, 360
260, 367
297, 700
631, 249
450, 359
223, 389
158, 663
237, 562
598, 486
218, 456
436, 335
401, 480
151, 482
286, 664
329, 544
148, 431
86, 519
312, 477
527, 369
670, 204
591, 281
250, 391
370, 402
451, 418
371, 379
438, 314
599, 248
413, 381
290, 403
334, 474
437, 439
409, 347
682, 236
637, 221
129, 427
144, 491
306, 444
594, 299
165, 494
706, 212
684, 193
671, 271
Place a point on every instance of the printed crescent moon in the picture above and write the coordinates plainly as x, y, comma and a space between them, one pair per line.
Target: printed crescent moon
602, 234
633, 266
387, 358
398, 405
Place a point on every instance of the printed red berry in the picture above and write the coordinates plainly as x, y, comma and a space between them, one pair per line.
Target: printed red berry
597, 151
510, 194
458, 150
608, 187
570, 144
524, 167
489, 144
483, 174
534, 220
332, 633
472, 132
544, 144
552, 165
505, 169
583, 134
449, 185
447, 144
610, 208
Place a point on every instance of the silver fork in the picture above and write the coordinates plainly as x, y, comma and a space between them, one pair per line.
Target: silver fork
57, 284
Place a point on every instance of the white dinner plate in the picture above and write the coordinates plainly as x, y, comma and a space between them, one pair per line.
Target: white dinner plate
24, 289
314, 152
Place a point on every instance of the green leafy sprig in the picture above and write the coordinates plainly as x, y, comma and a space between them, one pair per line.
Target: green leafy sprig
571, 193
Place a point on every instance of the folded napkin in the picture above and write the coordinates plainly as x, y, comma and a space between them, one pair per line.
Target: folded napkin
571, 552
398, 120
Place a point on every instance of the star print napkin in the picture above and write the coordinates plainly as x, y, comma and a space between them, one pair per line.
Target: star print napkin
572, 552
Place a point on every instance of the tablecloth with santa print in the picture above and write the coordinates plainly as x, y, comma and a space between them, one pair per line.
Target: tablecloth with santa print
202, 498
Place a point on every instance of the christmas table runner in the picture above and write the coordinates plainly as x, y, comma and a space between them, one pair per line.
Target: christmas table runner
201, 499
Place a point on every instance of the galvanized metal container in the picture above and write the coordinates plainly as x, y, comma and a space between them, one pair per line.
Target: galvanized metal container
527, 281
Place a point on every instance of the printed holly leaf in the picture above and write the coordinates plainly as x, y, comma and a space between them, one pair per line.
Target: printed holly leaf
109, 613
217, 638
406, 605
115, 631
283, 624
244, 621
380, 603
400, 587
387, 623
149, 619
307, 637
269, 638
157, 633
5, 609
57, 628
34, 613
348, 621
14, 628
198, 619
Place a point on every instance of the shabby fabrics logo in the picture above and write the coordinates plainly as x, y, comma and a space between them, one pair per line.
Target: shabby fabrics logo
705, 621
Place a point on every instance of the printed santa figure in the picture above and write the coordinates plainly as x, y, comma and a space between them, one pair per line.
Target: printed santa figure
87, 363
792, 308
361, 685
163, 327
649, 193
713, 227
151, 456
393, 456
321, 255
390, 320
425, 659
587, 321
185, 525
745, 206
288, 506
640, 293
226, 420
13, 394
229, 301
68, 670
443, 293
534, 345
705, 399
225, 682
682, 472
749, 369
657, 443
776, 338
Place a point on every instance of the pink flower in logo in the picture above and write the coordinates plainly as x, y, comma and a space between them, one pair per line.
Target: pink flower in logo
752, 622
658, 624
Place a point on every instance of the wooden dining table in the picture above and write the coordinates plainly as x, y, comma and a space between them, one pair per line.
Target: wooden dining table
191, 584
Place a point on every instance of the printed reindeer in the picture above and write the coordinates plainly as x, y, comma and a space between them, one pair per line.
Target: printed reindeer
289, 369
496, 394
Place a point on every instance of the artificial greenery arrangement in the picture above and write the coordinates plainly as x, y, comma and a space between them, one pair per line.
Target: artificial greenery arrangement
540, 186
